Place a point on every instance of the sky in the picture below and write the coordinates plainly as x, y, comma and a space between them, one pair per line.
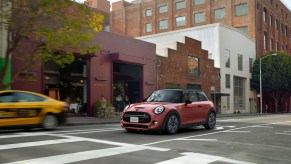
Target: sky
287, 2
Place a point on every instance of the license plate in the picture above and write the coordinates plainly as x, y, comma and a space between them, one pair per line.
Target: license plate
133, 119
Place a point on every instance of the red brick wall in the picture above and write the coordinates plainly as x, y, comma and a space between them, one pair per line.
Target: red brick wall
174, 68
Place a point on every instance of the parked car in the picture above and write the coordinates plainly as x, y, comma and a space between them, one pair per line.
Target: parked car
169, 110
29, 109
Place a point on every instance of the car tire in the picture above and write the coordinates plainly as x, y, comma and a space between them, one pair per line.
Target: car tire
211, 121
49, 122
172, 124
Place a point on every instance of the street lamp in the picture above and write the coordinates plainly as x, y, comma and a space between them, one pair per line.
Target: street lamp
261, 96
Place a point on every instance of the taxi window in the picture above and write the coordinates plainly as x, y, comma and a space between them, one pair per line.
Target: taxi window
7, 97
27, 97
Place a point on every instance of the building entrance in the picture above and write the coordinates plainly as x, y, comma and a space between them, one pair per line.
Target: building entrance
127, 81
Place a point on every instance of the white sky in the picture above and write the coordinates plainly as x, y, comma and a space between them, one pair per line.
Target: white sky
287, 2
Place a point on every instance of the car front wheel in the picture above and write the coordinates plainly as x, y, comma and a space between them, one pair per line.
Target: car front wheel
172, 124
49, 122
211, 121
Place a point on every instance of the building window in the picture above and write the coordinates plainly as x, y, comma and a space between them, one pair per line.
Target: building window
148, 27
277, 46
172, 86
282, 28
243, 29
251, 65
239, 93
265, 14
163, 24
163, 9
193, 66
219, 13
198, 2
199, 17
265, 40
277, 24
271, 44
241, 9
227, 80
240, 62
180, 21
227, 58
210, 56
148, 12
271, 20
194, 86
286, 31
180, 5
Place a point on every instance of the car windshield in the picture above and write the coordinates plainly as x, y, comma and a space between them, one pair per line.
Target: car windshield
165, 96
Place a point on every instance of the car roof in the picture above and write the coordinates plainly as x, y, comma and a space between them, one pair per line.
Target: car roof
30, 92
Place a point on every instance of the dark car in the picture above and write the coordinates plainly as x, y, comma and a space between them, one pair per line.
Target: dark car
169, 110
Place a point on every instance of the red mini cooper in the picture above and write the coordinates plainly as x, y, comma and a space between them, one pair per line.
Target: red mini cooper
169, 110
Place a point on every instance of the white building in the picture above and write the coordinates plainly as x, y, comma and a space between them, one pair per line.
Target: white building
233, 53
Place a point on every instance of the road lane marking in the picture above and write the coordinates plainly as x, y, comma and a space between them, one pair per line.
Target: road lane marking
86, 130
190, 157
186, 139
231, 131
39, 143
261, 126
86, 155
97, 131
284, 134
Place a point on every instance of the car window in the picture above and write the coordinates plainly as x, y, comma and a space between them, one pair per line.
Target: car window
193, 97
202, 96
7, 97
27, 97
165, 96
189, 96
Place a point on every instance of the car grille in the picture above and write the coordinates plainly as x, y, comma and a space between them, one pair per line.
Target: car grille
135, 126
142, 117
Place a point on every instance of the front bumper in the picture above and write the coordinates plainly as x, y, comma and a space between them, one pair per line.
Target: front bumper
143, 121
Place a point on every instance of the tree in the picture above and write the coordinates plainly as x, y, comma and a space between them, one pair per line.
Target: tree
57, 29
276, 76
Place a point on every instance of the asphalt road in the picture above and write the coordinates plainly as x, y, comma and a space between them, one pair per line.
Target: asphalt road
239, 140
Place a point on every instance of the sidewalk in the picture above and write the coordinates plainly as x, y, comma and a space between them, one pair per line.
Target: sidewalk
84, 120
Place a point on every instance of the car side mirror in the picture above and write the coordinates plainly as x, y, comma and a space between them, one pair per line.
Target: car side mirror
187, 102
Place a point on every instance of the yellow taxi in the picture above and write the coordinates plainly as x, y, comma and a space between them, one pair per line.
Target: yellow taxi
29, 109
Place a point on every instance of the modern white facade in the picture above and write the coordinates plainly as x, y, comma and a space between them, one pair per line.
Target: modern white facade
226, 46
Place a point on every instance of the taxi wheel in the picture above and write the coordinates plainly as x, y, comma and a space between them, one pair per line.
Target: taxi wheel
49, 122
172, 124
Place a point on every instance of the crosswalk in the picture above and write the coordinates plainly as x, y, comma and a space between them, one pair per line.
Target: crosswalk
53, 140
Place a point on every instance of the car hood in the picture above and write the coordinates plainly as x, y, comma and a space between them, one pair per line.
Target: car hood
145, 106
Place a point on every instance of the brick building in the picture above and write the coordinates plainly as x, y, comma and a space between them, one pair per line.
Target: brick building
188, 67
268, 22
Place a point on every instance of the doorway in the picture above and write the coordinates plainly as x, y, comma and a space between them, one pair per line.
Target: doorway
127, 81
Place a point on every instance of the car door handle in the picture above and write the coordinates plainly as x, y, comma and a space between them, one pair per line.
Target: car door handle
199, 106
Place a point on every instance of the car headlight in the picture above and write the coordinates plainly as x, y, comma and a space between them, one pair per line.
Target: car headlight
159, 110
125, 108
